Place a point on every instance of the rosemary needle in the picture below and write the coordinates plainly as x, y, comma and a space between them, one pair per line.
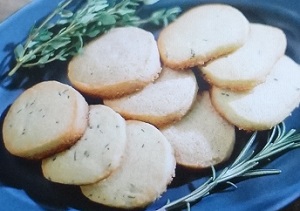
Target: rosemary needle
243, 166
64, 32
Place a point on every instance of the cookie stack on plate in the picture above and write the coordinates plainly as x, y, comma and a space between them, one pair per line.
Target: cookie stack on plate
254, 85
115, 162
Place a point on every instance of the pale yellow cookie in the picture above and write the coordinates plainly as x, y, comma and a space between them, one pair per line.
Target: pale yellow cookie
249, 65
161, 103
148, 167
98, 153
119, 62
201, 34
45, 119
202, 138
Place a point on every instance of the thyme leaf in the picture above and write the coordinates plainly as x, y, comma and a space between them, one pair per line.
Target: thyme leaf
64, 32
245, 165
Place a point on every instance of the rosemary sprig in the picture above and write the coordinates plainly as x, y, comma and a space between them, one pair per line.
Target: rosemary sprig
243, 166
64, 32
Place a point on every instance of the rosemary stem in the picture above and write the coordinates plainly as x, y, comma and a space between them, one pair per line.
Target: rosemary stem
273, 152
236, 172
204, 190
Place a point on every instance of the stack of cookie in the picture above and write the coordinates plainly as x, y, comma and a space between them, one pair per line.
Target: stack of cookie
254, 85
115, 162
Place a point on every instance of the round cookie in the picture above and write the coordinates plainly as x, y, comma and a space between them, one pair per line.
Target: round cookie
249, 65
201, 34
147, 169
202, 138
162, 102
45, 119
98, 153
117, 63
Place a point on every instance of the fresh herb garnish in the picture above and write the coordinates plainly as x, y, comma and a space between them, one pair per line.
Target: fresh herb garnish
63, 33
243, 166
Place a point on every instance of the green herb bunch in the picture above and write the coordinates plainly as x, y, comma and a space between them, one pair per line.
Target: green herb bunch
64, 32
245, 165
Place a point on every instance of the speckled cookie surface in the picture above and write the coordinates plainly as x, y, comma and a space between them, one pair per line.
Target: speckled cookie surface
46, 118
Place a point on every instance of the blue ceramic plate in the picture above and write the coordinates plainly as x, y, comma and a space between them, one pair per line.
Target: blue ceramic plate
22, 186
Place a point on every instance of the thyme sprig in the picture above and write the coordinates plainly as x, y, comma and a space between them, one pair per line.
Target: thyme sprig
244, 165
64, 32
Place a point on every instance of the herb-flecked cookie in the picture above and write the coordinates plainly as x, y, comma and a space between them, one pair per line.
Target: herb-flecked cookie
201, 34
267, 104
148, 167
45, 119
249, 65
98, 153
120, 62
202, 138
162, 102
